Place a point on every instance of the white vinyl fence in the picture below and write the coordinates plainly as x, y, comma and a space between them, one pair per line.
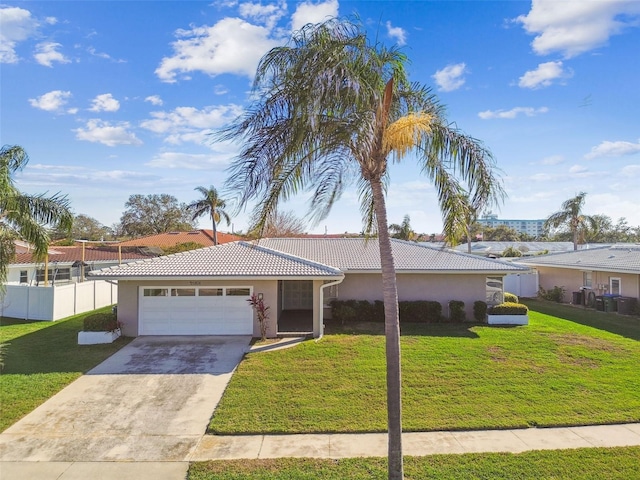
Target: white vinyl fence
522, 284
56, 302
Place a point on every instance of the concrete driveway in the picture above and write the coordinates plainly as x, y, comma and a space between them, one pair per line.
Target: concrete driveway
150, 401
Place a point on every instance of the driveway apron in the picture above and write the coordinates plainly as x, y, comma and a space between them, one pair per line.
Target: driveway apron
150, 401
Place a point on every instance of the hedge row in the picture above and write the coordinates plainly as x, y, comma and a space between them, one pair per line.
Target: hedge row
509, 308
100, 322
419, 311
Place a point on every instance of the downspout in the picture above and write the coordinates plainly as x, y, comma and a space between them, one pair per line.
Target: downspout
321, 316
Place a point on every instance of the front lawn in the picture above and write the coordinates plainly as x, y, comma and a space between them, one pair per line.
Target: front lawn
580, 464
41, 358
570, 367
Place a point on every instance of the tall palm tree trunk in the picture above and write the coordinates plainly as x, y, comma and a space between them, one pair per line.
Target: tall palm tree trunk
215, 230
392, 335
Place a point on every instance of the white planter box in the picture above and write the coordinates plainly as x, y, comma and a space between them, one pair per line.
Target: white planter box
508, 319
92, 338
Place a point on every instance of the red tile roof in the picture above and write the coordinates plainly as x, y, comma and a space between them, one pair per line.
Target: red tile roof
91, 254
170, 239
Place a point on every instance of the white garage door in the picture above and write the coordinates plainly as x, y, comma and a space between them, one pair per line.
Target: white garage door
195, 311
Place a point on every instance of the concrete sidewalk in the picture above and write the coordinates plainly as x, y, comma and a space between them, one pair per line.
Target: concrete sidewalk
213, 447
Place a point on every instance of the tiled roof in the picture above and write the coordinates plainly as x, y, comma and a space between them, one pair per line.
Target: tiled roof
530, 248
91, 254
622, 258
236, 259
170, 239
361, 255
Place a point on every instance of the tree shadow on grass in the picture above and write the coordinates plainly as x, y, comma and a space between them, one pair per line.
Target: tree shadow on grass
53, 348
457, 330
623, 325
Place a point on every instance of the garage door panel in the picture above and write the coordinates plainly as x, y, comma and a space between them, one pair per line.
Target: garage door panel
195, 315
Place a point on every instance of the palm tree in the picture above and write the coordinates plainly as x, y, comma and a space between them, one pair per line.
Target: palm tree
404, 230
25, 217
571, 216
212, 205
330, 107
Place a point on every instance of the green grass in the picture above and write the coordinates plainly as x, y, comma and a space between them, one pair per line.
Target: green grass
41, 358
568, 367
580, 464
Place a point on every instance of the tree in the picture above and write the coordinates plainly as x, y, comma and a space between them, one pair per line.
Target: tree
25, 217
152, 214
571, 217
212, 205
84, 228
500, 233
280, 224
404, 230
331, 108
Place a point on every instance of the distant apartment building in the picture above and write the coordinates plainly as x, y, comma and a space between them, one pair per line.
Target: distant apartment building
534, 228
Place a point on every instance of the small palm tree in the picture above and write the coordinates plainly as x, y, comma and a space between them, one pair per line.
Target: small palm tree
571, 216
212, 205
26, 217
329, 109
404, 230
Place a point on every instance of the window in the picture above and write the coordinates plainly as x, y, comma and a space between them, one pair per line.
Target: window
586, 279
183, 292
24, 276
238, 292
494, 290
156, 292
615, 287
56, 274
210, 292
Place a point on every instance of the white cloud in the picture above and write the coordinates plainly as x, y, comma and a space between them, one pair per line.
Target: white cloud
613, 149
105, 103
98, 131
544, 75
397, 33
189, 124
106, 56
450, 77
552, 160
47, 53
189, 161
513, 113
576, 27
230, 46
578, 169
51, 101
631, 171
309, 12
154, 100
265, 14
16, 25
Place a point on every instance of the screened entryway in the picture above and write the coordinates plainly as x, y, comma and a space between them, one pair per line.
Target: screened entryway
296, 306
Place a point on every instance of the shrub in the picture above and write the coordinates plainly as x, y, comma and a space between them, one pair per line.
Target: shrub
511, 252
511, 297
410, 312
420, 311
480, 310
343, 313
556, 294
509, 308
100, 322
456, 311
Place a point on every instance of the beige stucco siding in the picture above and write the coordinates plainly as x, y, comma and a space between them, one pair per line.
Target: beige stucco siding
571, 280
437, 287
128, 300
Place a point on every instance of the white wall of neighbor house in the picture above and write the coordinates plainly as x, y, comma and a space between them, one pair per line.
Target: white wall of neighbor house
571, 280
128, 300
437, 287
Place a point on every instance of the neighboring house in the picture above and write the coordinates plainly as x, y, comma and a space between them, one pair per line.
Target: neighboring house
171, 239
65, 264
611, 270
63, 290
495, 249
205, 291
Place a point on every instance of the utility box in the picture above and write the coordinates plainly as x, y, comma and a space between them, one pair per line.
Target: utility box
577, 298
610, 303
627, 305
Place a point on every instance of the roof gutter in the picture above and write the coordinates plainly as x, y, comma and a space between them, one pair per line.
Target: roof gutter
321, 309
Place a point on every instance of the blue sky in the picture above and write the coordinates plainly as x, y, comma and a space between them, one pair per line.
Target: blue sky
114, 98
